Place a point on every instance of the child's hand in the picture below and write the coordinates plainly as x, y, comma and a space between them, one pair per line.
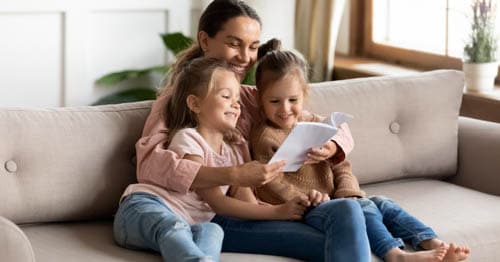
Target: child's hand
293, 209
255, 173
324, 152
317, 197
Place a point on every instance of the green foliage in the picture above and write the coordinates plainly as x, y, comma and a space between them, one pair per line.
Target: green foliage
482, 44
250, 77
174, 42
129, 95
117, 77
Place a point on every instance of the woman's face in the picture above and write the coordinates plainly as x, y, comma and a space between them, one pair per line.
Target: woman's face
237, 42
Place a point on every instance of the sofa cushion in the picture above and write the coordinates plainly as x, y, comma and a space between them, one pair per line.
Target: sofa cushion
456, 214
93, 241
61, 164
403, 126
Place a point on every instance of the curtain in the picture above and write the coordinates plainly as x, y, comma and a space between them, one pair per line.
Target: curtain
317, 25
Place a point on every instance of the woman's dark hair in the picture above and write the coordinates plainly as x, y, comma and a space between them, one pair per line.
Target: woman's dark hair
195, 78
212, 21
274, 64
219, 12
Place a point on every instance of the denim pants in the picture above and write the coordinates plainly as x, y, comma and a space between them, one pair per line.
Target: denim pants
143, 221
388, 225
332, 231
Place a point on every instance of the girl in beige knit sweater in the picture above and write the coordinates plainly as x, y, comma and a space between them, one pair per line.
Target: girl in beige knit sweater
281, 79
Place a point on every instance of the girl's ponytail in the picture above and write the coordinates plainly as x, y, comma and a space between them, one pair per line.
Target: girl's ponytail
269, 46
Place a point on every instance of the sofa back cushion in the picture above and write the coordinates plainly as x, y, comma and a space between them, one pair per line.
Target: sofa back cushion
403, 126
67, 163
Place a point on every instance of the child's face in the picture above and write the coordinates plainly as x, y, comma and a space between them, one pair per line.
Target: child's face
220, 109
283, 101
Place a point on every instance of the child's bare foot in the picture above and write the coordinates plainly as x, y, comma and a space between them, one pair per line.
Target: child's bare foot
432, 243
398, 255
456, 253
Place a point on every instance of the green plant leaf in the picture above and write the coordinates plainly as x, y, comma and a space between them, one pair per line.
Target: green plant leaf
249, 77
163, 69
130, 95
117, 77
176, 42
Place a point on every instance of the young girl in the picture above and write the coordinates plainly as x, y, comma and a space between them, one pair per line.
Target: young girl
282, 85
202, 108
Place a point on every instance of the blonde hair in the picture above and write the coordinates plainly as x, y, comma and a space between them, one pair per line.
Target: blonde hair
195, 78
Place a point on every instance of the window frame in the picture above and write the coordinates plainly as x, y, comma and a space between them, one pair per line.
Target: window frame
407, 57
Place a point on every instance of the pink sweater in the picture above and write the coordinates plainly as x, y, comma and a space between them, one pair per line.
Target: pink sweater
156, 165
190, 206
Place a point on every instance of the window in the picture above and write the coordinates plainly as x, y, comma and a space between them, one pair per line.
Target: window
425, 33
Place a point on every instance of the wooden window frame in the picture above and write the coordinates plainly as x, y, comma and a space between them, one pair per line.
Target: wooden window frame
361, 21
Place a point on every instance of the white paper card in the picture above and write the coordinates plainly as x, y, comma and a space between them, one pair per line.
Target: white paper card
304, 136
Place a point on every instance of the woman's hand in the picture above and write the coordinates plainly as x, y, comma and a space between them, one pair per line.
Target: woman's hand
316, 197
254, 173
293, 209
318, 154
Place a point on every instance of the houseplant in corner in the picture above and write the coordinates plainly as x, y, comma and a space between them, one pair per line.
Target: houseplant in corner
480, 62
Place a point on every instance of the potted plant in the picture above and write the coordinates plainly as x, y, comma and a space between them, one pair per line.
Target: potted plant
480, 61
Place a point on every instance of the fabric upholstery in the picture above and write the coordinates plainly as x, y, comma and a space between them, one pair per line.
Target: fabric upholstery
479, 155
403, 126
456, 213
93, 241
14, 245
62, 164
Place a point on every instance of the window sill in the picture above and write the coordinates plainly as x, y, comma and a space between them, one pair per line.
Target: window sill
484, 106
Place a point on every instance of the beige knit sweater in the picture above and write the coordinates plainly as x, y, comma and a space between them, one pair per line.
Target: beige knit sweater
336, 179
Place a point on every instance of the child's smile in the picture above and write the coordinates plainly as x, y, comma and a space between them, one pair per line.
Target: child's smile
283, 101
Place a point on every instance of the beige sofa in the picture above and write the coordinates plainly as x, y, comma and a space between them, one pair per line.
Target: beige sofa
63, 169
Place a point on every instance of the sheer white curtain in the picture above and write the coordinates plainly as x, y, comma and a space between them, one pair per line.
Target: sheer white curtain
317, 25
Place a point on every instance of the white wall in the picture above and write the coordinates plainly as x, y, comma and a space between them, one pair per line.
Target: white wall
52, 51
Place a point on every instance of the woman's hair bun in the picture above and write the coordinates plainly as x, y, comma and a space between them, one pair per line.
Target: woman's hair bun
269, 46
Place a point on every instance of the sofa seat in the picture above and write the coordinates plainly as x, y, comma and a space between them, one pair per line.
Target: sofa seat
456, 213
93, 241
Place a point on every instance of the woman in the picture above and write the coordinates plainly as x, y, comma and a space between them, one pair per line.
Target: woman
230, 30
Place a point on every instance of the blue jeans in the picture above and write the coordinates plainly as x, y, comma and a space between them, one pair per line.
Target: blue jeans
143, 221
333, 231
388, 225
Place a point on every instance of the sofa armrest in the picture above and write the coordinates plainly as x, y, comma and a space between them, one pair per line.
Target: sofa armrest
14, 245
478, 155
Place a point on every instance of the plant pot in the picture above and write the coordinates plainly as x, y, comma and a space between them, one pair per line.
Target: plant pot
480, 77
